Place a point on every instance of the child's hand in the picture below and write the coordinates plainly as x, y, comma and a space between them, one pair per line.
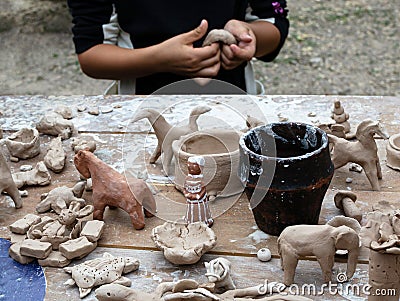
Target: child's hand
179, 56
234, 55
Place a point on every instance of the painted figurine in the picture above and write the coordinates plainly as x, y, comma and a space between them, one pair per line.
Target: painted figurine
196, 194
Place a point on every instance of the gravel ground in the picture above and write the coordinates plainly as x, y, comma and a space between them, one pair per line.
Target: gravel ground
334, 47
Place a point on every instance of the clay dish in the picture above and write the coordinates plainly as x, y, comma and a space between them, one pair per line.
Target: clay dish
220, 149
393, 152
184, 244
24, 144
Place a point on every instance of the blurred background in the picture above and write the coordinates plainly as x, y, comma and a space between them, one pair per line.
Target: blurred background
339, 47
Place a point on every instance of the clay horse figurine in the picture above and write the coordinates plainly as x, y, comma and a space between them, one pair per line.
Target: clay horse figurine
7, 183
195, 192
110, 188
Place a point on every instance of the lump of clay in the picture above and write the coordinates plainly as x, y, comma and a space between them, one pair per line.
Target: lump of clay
320, 241
166, 133
24, 144
83, 143
219, 272
55, 125
219, 36
64, 111
184, 244
110, 188
61, 197
37, 176
7, 183
364, 151
22, 225
55, 157
95, 272
264, 254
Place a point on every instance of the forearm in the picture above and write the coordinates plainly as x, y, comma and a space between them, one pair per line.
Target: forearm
267, 37
107, 61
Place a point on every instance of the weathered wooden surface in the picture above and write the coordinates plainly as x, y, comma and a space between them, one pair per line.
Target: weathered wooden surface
121, 144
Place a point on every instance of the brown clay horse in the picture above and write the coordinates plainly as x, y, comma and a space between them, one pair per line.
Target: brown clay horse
110, 188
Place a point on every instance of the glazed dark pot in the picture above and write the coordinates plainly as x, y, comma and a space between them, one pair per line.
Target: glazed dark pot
286, 169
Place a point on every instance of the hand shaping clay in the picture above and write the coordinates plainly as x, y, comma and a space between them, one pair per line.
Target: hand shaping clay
219, 36
219, 272
24, 144
184, 244
37, 176
297, 241
54, 124
363, 151
55, 157
167, 133
197, 209
7, 183
110, 188
95, 272
61, 197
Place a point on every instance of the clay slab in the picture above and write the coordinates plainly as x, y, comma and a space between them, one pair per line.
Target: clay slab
22, 225
77, 248
93, 230
35, 248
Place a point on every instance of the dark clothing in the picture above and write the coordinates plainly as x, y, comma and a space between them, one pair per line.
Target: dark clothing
152, 22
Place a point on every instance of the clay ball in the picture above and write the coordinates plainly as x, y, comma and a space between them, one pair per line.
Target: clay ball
264, 254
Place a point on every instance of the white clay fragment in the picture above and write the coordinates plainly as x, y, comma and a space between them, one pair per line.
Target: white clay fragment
95, 272
55, 125
81, 108
37, 176
55, 259
55, 157
219, 36
35, 248
64, 111
355, 167
93, 230
106, 109
7, 183
77, 248
24, 144
94, 111
184, 244
15, 253
25, 167
22, 225
264, 254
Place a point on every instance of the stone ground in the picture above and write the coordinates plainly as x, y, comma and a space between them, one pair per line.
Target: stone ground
334, 47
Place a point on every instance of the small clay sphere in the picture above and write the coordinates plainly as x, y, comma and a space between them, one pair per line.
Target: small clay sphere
264, 254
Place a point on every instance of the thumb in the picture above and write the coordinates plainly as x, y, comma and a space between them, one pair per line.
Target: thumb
197, 33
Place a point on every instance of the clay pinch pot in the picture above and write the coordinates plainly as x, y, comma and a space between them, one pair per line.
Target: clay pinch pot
393, 152
184, 244
220, 149
24, 144
286, 168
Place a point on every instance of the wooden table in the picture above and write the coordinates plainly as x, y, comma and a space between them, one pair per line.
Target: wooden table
127, 146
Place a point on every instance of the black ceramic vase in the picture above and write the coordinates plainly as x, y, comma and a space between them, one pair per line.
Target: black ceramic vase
286, 169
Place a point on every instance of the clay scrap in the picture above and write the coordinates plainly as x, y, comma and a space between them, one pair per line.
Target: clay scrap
54, 124
64, 111
99, 271
131, 195
7, 183
219, 36
219, 272
37, 176
364, 151
166, 133
55, 156
297, 241
24, 144
184, 244
83, 143
61, 197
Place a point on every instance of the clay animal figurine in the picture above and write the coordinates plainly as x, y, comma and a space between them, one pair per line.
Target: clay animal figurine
363, 151
340, 116
219, 36
297, 241
110, 188
219, 272
65, 227
7, 183
197, 209
167, 133
95, 272
39, 175
190, 290
61, 197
